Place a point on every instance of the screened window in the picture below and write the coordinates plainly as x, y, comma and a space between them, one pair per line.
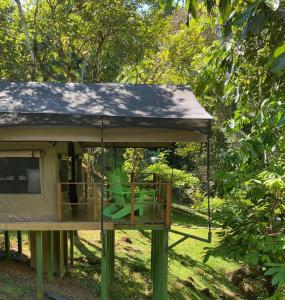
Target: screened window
20, 175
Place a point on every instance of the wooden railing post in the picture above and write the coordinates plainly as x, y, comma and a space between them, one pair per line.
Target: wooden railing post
133, 203
168, 204
58, 201
96, 202
159, 189
85, 185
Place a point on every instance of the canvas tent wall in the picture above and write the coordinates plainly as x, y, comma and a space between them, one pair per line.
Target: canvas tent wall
31, 205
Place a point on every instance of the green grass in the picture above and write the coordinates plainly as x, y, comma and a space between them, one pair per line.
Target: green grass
189, 277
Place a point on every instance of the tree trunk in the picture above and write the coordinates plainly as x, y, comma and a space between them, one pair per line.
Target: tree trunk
28, 40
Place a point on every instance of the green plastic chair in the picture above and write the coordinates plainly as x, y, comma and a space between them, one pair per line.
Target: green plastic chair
121, 194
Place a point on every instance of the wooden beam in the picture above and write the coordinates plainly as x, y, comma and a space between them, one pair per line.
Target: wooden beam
39, 264
46, 226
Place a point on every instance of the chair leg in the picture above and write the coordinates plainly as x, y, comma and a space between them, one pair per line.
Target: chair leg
110, 210
141, 210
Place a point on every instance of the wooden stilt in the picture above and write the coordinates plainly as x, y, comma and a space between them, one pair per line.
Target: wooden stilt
159, 263
7, 244
50, 257
58, 253
112, 249
39, 264
107, 263
65, 249
71, 248
61, 255
19, 240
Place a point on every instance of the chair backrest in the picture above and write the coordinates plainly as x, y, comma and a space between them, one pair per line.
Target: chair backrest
124, 179
116, 188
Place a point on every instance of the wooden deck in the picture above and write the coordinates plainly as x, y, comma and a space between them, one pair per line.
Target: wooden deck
46, 226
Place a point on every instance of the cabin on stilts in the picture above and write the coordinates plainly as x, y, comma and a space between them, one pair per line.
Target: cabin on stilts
48, 132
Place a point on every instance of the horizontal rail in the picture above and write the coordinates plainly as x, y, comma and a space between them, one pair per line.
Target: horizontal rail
76, 203
119, 182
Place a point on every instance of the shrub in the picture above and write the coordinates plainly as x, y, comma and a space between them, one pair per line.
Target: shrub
183, 182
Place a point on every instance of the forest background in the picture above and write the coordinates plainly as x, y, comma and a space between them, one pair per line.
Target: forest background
230, 52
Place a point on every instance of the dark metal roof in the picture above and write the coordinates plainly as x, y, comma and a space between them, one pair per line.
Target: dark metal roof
85, 104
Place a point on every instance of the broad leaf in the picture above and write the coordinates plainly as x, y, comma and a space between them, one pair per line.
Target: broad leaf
257, 23
272, 4
210, 5
241, 19
278, 64
278, 51
225, 8
272, 271
279, 278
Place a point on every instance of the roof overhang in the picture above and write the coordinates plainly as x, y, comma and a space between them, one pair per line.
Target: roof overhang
128, 113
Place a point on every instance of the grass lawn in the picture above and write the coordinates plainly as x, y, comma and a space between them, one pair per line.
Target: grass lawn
189, 278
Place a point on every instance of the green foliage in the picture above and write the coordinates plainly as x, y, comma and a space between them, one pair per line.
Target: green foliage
179, 178
277, 271
216, 204
134, 160
231, 53
85, 41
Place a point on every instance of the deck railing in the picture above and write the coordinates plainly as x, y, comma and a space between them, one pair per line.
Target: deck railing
87, 208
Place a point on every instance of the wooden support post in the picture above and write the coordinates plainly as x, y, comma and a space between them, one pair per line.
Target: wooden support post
132, 203
159, 189
71, 247
58, 201
107, 263
50, 256
85, 185
7, 244
96, 202
168, 205
112, 256
65, 249
159, 264
39, 264
59, 253
19, 241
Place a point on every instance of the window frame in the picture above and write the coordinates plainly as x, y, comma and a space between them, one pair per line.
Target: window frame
25, 154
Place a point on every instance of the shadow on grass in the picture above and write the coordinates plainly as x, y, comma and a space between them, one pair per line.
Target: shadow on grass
210, 277
223, 249
132, 276
190, 218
